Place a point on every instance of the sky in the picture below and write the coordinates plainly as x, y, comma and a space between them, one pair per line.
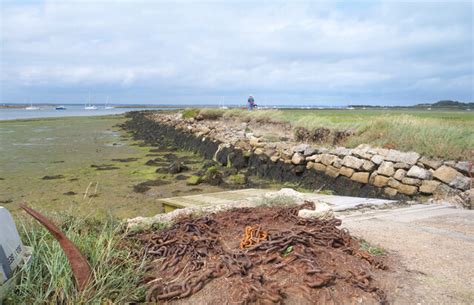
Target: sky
214, 52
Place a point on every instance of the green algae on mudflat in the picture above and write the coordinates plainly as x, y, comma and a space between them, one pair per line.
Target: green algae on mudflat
87, 153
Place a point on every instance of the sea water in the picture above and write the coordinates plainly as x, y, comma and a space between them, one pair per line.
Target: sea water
50, 111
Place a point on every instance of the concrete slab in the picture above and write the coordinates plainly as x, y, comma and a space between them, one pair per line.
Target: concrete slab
433, 243
338, 203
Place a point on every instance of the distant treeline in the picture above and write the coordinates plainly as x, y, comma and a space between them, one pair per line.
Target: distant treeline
439, 104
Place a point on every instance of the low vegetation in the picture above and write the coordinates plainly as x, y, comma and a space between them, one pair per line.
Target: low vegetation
439, 133
365, 246
48, 278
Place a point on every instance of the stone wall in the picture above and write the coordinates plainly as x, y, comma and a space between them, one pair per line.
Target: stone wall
361, 171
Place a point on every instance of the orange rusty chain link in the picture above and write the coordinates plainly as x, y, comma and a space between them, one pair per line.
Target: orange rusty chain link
253, 235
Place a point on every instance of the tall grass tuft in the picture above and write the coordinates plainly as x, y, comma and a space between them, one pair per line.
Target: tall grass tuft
48, 278
427, 136
442, 134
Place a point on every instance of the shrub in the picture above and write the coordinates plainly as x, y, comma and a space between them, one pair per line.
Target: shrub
211, 114
190, 113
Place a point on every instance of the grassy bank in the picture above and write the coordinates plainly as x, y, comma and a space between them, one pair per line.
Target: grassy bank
48, 279
438, 133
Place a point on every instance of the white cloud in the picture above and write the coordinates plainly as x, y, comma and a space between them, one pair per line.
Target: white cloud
316, 49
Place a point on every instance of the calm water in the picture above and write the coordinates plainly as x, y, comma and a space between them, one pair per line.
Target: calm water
50, 111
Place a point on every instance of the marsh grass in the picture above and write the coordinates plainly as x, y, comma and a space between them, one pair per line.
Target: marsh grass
445, 134
48, 278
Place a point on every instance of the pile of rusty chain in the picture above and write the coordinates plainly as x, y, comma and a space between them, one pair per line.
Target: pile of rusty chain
253, 235
192, 247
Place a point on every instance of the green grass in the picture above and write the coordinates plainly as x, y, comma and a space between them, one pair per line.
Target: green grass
438, 133
365, 246
190, 113
117, 273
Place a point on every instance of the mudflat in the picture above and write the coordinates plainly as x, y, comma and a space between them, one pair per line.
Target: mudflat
87, 166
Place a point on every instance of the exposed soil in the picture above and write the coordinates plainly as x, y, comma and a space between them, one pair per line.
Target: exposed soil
124, 160
53, 177
145, 186
104, 167
295, 261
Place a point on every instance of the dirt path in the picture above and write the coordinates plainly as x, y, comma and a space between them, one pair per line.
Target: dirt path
435, 247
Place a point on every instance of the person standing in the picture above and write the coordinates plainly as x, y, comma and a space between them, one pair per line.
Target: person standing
251, 103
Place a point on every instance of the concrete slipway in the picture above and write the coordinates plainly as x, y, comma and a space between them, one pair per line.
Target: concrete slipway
433, 244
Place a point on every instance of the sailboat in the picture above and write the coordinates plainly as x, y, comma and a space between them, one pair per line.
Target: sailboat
90, 106
107, 103
223, 105
31, 107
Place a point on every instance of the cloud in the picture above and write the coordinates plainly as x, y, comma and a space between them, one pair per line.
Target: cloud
317, 52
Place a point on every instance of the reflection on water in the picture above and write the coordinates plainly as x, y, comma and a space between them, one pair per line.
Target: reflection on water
71, 110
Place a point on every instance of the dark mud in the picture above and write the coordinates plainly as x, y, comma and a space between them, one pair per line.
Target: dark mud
146, 186
124, 160
104, 167
53, 177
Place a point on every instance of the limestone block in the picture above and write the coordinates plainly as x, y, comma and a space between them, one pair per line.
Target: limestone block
337, 163
372, 177
400, 174
331, 171
319, 167
362, 177
405, 157
393, 183
380, 151
411, 181
377, 159
386, 169
463, 166
450, 163
446, 174
460, 182
274, 158
380, 181
328, 159
341, 151
352, 162
390, 191
297, 159
444, 191
255, 142
401, 165
315, 158
300, 148
368, 166
407, 189
309, 151
431, 163
429, 186
346, 171
420, 173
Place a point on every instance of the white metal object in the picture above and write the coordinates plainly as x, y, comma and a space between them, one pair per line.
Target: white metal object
13, 255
